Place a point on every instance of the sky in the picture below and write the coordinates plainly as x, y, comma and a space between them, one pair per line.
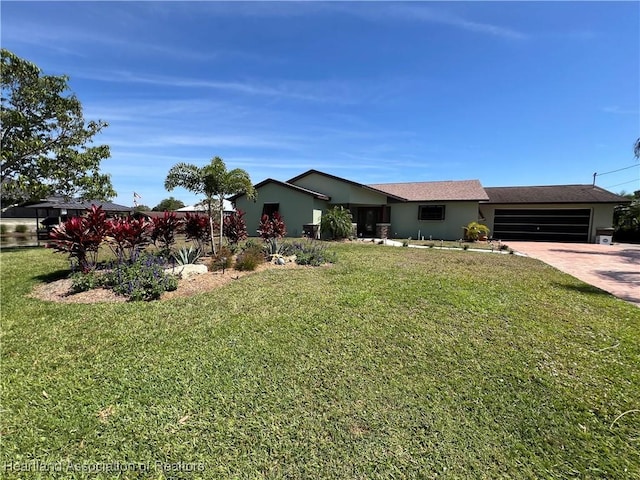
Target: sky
510, 93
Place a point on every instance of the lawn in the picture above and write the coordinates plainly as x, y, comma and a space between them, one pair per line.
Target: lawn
393, 363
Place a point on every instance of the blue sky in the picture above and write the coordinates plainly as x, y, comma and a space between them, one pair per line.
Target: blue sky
511, 93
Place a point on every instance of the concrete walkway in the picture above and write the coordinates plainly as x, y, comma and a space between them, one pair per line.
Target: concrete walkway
613, 268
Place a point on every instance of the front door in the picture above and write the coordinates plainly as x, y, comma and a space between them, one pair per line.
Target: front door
367, 219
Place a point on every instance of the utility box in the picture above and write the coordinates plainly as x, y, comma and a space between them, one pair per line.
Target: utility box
604, 236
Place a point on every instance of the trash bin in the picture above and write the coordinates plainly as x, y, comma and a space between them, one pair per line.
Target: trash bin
311, 230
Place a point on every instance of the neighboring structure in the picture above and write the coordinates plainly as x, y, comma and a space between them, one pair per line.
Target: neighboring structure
436, 210
56, 209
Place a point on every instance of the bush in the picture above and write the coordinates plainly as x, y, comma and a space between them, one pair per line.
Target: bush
337, 223
308, 252
222, 261
128, 236
3, 229
234, 227
196, 229
164, 229
144, 279
80, 237
21, 228
250, 257
82, 282
271, 229
474, 230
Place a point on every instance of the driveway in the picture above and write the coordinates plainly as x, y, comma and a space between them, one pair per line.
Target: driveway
613, 268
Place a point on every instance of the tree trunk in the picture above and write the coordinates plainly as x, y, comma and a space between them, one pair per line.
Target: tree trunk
211, 235
221, 219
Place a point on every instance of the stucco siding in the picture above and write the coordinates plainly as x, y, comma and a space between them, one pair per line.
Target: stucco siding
405, 222
341, 192
297, 208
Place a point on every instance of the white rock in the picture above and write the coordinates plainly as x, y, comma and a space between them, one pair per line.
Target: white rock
186, 271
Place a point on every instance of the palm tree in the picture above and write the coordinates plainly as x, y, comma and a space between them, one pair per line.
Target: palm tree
214, 181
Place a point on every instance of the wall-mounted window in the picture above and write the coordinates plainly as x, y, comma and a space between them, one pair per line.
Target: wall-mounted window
431, 212
270, 208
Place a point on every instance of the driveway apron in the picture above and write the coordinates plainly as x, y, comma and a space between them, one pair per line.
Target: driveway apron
613, 268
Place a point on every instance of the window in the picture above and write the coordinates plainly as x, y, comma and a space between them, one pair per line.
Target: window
431, 212
270, 208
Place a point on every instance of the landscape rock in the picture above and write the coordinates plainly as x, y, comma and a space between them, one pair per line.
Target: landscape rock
186, 271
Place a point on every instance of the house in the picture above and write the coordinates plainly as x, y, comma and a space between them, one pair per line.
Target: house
437, 210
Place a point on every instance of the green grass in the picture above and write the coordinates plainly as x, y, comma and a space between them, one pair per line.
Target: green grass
393, 363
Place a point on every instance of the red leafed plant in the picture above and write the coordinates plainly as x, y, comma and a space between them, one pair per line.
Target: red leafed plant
81, 237
128, 235
234, 227
271, 229
196, 228
164, 230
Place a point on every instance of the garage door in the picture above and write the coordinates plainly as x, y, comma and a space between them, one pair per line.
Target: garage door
555, 225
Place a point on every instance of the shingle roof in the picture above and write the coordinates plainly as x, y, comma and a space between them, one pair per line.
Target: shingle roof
75, 204
553, 194
470, 190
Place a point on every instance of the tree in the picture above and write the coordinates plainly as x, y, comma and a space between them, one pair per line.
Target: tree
168, 205
141, 208
215, 182
636, 149
46, 143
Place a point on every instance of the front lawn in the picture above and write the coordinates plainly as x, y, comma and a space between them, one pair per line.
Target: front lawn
392, 363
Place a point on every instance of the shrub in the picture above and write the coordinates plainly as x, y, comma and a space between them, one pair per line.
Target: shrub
251, 256
80, 237
144, 279
128, 236
474, 230
196, 229
234, 227
308, 252
337, 223
3, 229
249, 261
82, 282
21, 228
164, 229
271, 229
187, 256
222, 261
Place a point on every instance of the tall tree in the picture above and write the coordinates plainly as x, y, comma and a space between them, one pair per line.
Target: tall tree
168, 205
215, 182
45, 142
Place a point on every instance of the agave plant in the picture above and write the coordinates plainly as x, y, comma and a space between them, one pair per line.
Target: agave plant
187, 256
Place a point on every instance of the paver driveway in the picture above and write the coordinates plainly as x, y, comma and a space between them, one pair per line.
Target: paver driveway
613, 268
